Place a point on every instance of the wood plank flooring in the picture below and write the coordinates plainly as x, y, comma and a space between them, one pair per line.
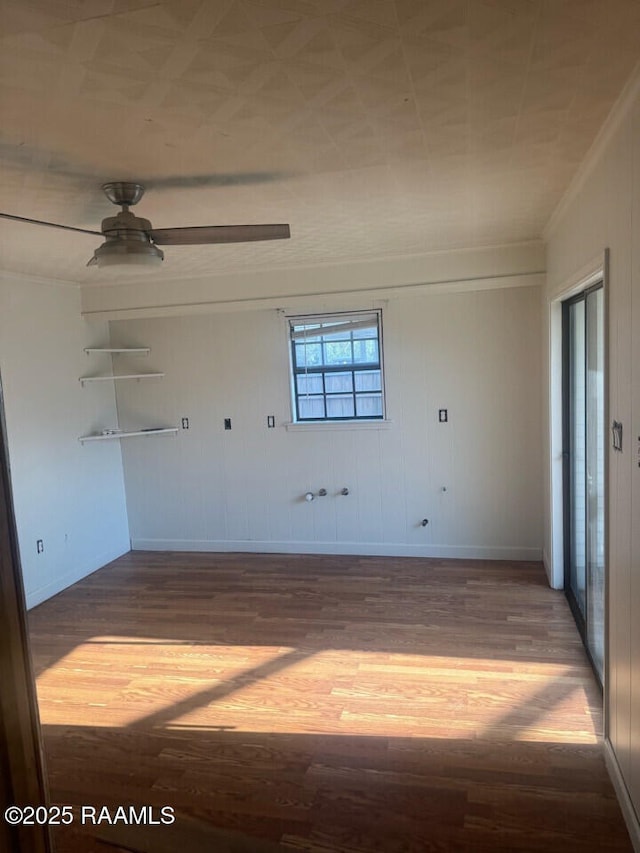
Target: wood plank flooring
331, 704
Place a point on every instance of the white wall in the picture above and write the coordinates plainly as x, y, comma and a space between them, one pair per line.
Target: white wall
604, 211
70, 496
475, 353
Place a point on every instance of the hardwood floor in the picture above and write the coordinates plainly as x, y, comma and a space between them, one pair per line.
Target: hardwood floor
332, 704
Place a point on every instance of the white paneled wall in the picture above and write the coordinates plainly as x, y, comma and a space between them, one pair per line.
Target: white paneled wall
604, 211
475, 353
70, 496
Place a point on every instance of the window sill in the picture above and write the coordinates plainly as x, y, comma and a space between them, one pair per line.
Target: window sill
333, 425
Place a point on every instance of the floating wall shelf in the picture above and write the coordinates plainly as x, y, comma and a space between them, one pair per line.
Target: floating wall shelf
84, 379
112, 377
114, 435
139, 350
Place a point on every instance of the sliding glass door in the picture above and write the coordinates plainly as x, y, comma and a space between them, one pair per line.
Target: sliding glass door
583, 328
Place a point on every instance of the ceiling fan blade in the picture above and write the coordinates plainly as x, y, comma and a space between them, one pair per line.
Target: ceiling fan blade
48, 224
228, 179
200, 235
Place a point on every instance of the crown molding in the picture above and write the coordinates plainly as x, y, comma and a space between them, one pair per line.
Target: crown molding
26, 278
612, 123
415, 257
471, 268
292, 302
451, 252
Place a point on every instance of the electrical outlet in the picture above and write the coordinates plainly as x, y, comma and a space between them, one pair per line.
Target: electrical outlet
185, 423
271, 421
443, 416
39, 546
227, 423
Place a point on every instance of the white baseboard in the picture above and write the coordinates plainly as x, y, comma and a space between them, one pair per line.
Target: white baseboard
365, 549
628, 811
37, 596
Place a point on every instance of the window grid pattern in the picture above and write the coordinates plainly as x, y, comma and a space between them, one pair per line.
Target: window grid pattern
337, 374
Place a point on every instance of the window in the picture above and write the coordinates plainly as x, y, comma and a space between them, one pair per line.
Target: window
336, 365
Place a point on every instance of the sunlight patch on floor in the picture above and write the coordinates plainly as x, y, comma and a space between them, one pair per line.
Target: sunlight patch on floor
159, 684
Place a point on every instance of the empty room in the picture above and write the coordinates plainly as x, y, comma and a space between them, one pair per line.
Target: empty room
320, 390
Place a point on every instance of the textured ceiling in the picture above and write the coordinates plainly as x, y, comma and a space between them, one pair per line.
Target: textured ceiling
374, 127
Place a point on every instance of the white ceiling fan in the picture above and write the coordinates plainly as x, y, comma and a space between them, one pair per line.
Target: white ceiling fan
132, 240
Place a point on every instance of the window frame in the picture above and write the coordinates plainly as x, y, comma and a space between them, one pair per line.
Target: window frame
375, 316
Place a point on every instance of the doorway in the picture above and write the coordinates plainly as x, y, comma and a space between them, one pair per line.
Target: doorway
584, 467
22, 773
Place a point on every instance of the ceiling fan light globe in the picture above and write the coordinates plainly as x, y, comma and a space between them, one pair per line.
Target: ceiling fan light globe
129, 261
129, 253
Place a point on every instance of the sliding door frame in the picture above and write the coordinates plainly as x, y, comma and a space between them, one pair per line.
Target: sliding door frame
594, 271
579, 616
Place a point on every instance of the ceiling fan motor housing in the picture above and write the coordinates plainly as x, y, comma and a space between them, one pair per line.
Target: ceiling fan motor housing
127, 234
128, 226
